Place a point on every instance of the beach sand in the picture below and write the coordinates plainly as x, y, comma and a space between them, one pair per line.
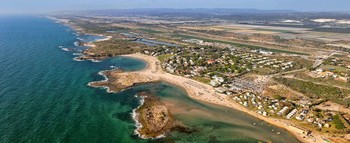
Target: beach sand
196, 90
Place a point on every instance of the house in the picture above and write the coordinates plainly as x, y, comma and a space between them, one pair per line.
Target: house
284, 109
291, 113
220, 90
245, 104
327, 125
264, 113
214, 83
210, 62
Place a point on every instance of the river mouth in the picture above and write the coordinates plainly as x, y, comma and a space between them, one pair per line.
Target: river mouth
209, 122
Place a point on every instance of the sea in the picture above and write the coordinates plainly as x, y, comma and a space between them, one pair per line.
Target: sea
45, 97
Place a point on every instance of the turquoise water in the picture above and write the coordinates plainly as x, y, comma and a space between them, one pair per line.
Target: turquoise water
213, 123
44, 95
43, 92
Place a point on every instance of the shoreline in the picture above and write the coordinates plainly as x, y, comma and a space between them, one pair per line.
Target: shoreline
191, 87
80, 31
198, 91
135, 117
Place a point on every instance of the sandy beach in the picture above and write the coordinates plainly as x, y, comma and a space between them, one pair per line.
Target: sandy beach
91, 44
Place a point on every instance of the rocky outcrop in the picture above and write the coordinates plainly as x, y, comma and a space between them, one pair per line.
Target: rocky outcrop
155, 117
117, 80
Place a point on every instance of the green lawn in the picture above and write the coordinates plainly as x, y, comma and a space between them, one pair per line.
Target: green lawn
163, 57
202, 79
151, 31
337, 122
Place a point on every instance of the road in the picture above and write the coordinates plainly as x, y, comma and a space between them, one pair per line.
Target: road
318, 62
288, 72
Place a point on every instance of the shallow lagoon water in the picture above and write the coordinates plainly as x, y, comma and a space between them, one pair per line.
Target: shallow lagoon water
213, 123
44, 95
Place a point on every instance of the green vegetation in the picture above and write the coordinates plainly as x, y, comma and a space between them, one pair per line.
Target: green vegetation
276, 30
187, 57
264, 71
164, 57
237, 44
317, 91
332, 30
186, 36
151, 31
90, 27
326, 81
114, 47
336, 69
214, 32
337, 122
201, 79
279, 39
278, 97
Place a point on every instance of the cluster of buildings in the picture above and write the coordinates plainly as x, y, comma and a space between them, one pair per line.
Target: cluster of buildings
321, 73
260, 61
285, 109
196, 61
221, 66
204, 43
236, 85
262, 52
267, 106
203, 62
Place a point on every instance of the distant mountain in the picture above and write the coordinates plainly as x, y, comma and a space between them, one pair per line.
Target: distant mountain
216, 11
225, 14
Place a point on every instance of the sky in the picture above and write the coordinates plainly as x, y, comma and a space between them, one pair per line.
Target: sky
47, 6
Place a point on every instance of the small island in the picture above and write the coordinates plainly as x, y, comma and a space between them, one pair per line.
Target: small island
154, 117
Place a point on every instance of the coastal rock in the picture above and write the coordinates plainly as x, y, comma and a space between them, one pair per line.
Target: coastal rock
155, 118
117, 80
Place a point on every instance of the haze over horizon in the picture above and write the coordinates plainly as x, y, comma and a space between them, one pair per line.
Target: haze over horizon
48, 6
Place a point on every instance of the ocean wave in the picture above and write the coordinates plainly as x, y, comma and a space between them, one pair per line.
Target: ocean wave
138, 125
101, 73
76, 43
103, 87
114, 67
95, 61
77, 59
77, 54
135, 117
104, 80
65, 49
